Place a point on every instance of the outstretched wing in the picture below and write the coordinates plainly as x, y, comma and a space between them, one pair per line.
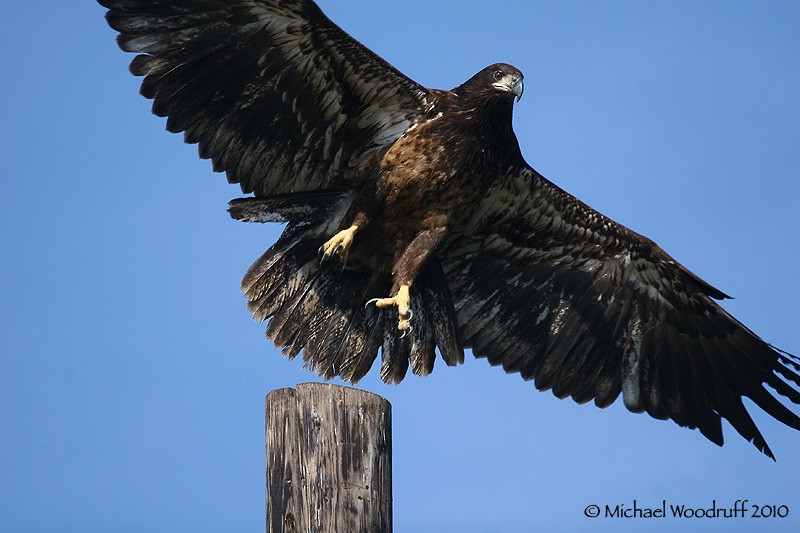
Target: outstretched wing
545, 286
273, 92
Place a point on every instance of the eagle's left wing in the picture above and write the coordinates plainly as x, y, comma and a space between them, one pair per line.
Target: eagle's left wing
546, 286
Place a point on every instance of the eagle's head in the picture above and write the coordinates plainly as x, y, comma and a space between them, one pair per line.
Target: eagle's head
499, 79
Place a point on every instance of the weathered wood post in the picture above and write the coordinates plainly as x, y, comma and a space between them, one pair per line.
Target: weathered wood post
329, 460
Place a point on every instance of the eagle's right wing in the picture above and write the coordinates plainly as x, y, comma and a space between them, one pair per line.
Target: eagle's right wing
273, 92
548, 287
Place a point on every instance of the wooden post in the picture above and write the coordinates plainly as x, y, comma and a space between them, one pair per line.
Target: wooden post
329, 460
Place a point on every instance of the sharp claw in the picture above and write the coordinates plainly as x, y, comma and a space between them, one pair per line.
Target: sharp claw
374, 300
337, 249
406, 331
323, 257
410, 314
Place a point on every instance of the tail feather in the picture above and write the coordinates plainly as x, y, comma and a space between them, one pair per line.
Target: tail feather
262, 284
275, 288
394, 357
317, 310
442, 315
322, 350
351, 345
309, 206
359, 346
297, 310
322, 338
423, 347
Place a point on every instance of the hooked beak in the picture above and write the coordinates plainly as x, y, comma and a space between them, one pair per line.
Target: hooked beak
517, 87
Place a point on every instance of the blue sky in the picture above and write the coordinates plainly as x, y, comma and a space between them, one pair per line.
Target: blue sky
132, 377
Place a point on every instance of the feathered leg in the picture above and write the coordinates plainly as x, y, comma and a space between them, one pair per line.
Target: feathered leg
406, 270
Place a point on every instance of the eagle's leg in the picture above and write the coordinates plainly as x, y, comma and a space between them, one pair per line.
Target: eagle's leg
340, 243
406, 270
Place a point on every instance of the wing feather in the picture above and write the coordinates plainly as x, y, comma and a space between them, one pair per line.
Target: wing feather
546, 286
273, 92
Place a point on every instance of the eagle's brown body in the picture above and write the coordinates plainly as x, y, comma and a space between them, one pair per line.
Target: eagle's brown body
434, 177
426, 201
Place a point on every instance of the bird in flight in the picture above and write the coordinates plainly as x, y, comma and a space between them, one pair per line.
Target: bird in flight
415, 225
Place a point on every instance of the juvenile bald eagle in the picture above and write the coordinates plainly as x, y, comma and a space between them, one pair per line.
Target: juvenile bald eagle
420, 197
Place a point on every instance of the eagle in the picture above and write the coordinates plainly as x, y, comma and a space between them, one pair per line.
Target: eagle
413, 224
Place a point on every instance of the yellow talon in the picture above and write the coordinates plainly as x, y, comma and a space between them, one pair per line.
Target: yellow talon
401, 300
339, 244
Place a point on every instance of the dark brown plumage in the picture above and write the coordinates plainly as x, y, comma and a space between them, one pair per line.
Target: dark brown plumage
422, 197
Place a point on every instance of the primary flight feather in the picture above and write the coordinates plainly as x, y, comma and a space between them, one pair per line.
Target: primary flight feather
414, 223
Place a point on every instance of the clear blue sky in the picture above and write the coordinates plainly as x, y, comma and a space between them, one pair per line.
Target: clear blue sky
132, 377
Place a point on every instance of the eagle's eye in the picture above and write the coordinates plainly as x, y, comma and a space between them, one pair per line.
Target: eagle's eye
498, 74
